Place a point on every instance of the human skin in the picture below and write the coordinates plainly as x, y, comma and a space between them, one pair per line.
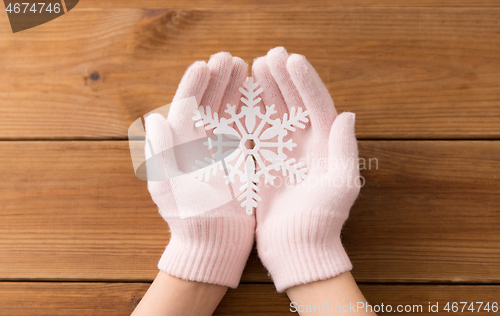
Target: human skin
169, 295
341, 290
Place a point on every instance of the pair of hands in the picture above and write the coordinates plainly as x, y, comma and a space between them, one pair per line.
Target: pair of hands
296, 225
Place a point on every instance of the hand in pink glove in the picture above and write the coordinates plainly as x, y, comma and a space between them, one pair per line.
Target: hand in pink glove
298, 225
209, 247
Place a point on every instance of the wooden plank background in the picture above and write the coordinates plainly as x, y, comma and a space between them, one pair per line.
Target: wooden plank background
424, 214
408, 73
114, 299
280, 5
79, 234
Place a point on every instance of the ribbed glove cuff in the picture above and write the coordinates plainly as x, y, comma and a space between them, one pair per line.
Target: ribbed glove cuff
303, 248
211, 250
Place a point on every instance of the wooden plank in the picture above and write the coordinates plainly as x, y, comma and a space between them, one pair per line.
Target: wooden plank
430, 212
419, 73
74, 210
74, 298
410, 295
79, 299
280, 5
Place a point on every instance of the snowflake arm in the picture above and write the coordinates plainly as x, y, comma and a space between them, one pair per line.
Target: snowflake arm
249, 195
296, 171
204, 169
250, 94
204, 116
297, 119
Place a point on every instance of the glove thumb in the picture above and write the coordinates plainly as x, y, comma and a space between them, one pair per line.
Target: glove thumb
158, 141
342, 144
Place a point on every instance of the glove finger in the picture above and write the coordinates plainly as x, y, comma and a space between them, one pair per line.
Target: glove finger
193, 84
271, 93
313, 92
220, 65
276, 59
343, 146
158, 142
232, 94
169, 155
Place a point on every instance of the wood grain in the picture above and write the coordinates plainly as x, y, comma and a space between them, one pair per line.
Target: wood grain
280, 5
75, 211
430, 212
74, 298
424, 228
114, 299
408, 73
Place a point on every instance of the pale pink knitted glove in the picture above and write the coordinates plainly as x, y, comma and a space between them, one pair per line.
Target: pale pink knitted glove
298, 225
210, 247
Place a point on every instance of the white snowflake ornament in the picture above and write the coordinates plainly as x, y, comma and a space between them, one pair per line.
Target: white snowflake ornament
249, 164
